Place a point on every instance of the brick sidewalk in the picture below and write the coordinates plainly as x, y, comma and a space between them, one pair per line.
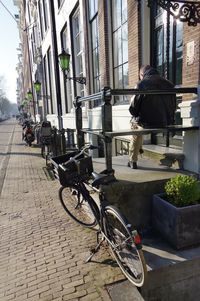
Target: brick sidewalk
42, 251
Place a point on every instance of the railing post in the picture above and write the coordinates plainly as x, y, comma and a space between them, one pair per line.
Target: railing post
63, 141
54, 142
70, 138
106, 111
79, 123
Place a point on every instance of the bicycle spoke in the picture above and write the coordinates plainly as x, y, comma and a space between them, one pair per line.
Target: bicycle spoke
123, 247
76, 206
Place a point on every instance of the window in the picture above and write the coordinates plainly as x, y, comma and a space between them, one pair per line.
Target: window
167, 47
43, 15
41, 19
46, 20
94, 31
48, 82
120, 47
59, 3
67, 84
51, 80
78, 51
46, 76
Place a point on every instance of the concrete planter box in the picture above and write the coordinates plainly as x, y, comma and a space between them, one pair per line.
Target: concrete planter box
179, 226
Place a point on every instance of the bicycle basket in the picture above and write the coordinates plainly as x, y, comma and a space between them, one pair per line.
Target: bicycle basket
83, 168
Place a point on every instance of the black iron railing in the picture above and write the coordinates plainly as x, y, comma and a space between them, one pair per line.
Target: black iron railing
106, 132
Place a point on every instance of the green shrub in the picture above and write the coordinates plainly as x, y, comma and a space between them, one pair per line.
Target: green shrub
183, 191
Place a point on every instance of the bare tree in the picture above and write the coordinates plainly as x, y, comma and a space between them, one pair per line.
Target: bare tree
6, 107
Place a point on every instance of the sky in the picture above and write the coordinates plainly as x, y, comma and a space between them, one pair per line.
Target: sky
9, 41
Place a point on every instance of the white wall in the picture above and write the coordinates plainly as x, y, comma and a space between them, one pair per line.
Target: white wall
190, 114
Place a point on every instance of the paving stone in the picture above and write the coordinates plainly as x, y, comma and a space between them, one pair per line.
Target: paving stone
42, 251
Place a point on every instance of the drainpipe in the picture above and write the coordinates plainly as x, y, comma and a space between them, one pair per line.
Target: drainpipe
55, 63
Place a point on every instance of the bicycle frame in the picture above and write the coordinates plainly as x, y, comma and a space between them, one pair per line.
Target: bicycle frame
113, 226
100, 215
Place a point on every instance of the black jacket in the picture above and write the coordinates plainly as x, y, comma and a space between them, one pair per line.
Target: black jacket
154, 110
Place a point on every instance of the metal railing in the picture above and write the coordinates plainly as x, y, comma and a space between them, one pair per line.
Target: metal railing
61, 140
106, 133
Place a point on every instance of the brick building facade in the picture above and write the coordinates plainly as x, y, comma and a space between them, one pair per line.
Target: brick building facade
108, 41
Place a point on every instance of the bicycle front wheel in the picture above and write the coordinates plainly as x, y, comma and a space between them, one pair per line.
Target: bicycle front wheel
129, 258
77, 206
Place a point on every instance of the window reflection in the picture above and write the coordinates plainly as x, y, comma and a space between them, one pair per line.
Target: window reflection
93, 21
171, 65
120, 46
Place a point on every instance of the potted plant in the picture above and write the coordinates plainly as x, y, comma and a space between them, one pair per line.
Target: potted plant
176, 212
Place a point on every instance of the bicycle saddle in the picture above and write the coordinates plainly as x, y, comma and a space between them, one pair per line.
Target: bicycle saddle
102, 179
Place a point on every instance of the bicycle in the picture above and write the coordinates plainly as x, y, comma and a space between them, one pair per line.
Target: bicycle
46, 148
78, 179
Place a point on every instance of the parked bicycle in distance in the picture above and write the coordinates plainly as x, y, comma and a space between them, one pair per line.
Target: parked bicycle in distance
27, 132
46, 140
75, 173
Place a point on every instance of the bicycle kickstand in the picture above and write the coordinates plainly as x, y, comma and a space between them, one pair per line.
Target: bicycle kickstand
95, 250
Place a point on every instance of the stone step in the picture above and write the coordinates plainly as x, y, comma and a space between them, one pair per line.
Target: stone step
175, 141
133, 191
168, 156
172, 275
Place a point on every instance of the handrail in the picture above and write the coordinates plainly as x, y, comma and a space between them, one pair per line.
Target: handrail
91, 97
117, 92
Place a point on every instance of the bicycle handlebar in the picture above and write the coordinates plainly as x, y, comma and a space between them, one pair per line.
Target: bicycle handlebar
81, 152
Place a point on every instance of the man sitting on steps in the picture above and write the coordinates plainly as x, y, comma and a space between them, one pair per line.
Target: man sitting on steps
151, 110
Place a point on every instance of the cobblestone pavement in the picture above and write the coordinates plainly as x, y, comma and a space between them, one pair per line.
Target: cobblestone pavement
42, 251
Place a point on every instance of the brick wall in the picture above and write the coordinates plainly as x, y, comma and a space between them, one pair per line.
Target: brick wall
133, 42
191, 71
103, 43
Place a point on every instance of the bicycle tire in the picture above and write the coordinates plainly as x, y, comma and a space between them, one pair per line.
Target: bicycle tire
77, 207
129, 258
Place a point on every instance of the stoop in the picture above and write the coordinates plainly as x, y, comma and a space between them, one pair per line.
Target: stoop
172, 275
133, 191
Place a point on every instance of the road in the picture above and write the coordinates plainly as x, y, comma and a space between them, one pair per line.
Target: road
6, 135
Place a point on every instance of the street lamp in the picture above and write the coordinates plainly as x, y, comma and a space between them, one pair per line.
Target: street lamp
64, 59
37, 86
29, 95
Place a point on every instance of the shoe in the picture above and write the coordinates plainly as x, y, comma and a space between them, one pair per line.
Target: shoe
129, 164
141, 151
132, 165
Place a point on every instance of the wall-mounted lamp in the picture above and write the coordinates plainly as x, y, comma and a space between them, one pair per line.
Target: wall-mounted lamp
64, 59
24, 102
29, 95
37, 86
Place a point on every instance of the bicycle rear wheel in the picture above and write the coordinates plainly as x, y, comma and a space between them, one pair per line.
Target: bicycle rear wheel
77, 206
129, 258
